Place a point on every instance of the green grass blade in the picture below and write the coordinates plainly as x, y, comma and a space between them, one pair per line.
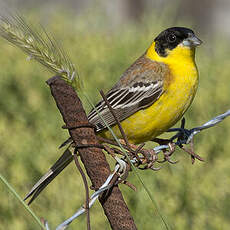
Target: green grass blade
12, 190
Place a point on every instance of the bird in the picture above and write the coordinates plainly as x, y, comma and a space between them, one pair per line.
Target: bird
151, 95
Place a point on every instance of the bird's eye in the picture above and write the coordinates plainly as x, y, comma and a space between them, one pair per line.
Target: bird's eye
171, 37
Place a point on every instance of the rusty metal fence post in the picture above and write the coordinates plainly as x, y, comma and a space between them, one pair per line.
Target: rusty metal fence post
93, 158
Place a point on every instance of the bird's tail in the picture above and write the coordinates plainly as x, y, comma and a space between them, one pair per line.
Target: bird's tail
58, 166
40, 46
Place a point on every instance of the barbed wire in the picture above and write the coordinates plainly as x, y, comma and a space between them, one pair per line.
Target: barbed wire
184, 137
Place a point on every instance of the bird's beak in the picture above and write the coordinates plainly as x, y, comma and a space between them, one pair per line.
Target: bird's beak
192, 41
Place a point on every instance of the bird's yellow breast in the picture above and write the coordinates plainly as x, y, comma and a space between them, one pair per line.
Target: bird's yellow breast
179, 90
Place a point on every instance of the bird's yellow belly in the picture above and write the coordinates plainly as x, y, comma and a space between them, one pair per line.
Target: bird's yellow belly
150, 122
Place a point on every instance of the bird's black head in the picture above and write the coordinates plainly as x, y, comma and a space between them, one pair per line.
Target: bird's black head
172, 37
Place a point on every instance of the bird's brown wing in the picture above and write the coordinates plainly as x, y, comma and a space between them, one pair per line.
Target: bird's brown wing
139, 87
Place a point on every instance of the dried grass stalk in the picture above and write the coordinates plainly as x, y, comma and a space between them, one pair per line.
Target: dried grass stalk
40, 46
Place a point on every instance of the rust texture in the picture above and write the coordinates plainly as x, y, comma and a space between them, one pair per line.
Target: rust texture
93, 158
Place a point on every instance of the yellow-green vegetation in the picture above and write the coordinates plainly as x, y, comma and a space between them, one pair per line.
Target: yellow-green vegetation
190, 196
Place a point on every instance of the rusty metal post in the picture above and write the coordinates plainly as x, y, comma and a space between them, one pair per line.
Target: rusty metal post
93, 158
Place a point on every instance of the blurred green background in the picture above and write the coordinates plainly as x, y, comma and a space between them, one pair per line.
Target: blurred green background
189, 196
